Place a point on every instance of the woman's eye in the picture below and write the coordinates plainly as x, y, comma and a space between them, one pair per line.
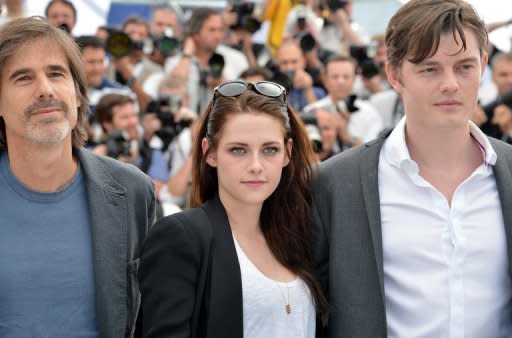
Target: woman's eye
271, 150
237, 150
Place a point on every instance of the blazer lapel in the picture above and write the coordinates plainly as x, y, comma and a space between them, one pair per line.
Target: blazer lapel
370, 185
108, 211
225, 315
503, 176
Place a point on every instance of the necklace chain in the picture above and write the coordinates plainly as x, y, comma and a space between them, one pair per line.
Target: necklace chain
287, 307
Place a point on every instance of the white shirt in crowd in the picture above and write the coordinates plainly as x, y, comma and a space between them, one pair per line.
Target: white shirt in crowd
364, 124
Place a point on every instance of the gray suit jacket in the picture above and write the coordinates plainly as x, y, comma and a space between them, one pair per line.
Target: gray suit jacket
122, 203
348, 239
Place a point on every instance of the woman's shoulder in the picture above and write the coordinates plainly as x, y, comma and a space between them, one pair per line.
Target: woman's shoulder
193, 221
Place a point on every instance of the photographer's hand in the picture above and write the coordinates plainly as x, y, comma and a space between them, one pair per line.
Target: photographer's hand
151, 123
125, 68
342, 119
342, 20
185, 114
182, 68
304, 81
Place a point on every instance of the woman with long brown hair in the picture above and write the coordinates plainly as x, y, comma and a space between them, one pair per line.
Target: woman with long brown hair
238, 264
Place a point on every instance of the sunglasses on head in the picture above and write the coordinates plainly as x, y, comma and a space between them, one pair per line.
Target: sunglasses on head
265, 88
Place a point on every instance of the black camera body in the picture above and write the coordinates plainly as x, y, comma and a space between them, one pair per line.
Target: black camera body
245, 18
119, 44
215, 68
118, 144
348, 104
285, 79
334, 5
165, 107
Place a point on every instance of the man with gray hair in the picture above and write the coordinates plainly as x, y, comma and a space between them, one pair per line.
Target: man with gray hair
71, 222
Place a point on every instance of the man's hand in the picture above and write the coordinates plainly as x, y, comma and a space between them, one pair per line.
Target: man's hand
302, 80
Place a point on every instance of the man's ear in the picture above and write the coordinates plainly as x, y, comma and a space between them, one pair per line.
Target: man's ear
210, 157
484, 59
107, 126
393, 75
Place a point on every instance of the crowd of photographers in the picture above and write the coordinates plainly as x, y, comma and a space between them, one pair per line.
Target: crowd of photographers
149, 81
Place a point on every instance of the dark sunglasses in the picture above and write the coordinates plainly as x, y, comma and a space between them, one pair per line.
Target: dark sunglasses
265, 88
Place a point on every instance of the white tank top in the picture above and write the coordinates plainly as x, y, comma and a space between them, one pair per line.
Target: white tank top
265, 300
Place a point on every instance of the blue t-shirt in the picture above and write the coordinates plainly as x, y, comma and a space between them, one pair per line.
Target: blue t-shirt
46, 265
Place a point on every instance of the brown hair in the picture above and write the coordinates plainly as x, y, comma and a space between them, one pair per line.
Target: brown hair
16, 34
339, 58
501, 56
285, 213
415, 30
104, 111
64, 2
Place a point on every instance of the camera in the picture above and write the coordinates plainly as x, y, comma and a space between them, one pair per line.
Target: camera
301, 17
118, 144
347, 105
370, 68
216, 64
313, 131
306, 41
119, 44
334, 5
245, 19
167, 45
285, 79
64, 26
215, 67
165, 107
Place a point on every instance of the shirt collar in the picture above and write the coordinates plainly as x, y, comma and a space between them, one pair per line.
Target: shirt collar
396, 152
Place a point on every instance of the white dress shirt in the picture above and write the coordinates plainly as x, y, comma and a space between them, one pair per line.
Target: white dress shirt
445, 268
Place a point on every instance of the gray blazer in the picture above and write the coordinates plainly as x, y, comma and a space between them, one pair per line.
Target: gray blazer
348, 239
122, 203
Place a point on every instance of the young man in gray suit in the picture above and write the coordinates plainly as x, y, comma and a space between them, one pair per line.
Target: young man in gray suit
414, 229
71, 223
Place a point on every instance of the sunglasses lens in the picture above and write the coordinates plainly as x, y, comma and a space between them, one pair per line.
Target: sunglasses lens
269, 89
232, 89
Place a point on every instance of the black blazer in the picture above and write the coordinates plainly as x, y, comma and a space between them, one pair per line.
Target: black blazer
185, 256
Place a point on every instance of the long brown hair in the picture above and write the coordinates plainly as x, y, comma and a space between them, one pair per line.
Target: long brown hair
285, 213
16, 34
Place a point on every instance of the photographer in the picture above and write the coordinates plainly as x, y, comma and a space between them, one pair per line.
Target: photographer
129, 65
358, 121
123, 138
290, 60
62, 14
165, 31
93, 59
338, 32
371, 60
322, 127
199, 62
243, 20
177, 133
